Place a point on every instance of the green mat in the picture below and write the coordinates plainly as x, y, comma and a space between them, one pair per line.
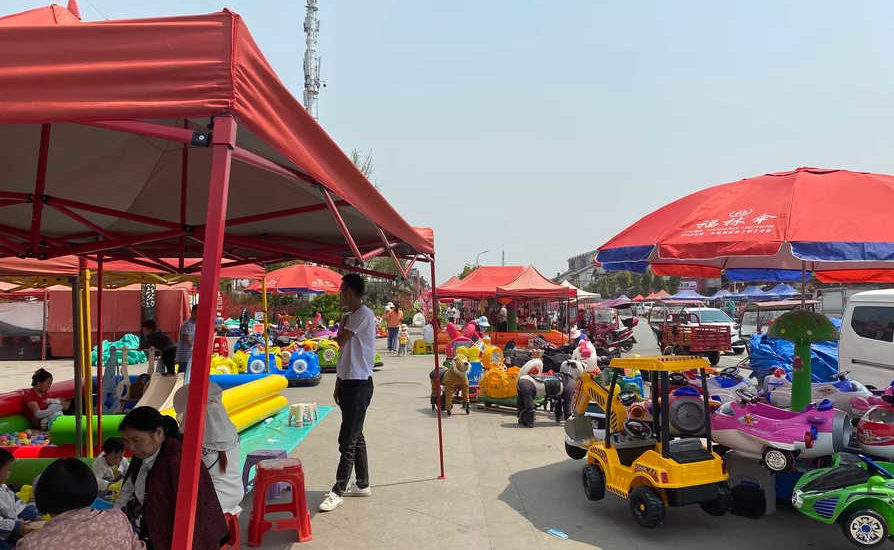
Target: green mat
275, 433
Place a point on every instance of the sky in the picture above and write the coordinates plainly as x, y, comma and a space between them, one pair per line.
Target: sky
541, 129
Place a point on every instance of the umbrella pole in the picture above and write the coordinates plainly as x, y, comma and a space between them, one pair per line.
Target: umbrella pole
266, 335
803, 283
434, 322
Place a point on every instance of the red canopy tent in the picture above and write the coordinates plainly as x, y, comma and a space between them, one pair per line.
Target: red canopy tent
530, 283
170, 138
481, 283
638, 298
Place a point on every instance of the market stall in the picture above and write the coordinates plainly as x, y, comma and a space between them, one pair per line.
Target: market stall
129, 133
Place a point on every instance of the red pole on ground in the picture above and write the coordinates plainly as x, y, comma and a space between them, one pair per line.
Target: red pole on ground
43, 331
99, 394
222, 142
434, 324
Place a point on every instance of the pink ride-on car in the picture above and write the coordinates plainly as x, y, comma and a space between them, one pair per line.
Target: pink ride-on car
778, 436
846, 394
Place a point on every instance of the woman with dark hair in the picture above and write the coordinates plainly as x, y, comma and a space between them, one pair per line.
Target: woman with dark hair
149, 493
39, 408
66, 490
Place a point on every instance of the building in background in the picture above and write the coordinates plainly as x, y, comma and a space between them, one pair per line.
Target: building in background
581, 270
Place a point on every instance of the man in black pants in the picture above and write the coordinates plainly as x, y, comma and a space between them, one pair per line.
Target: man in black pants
353, 391
154, 338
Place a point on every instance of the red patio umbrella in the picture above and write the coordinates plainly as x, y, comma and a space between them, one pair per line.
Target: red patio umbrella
299, 279
768, 228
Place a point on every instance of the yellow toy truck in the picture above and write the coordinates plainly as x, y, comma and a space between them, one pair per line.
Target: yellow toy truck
643, 461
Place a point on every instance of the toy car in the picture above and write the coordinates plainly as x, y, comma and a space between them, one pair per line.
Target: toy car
842, 392
859, 497
875, 431
644, 462
723, 386
779, 436
303, 369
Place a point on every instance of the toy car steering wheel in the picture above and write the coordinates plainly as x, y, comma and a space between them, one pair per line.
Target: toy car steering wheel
627, 398
747, 396
638, 429
731, 372
678, 379
842, 374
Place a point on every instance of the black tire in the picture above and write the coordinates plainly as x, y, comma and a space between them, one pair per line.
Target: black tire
713, 357
594, 482
574, 452
721, 506
777, 460
865, 528
626, 346
646, 506
739, 350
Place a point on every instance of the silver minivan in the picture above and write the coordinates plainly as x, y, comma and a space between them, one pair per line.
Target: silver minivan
867, 337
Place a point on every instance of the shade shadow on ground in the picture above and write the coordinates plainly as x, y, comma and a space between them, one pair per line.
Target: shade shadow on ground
552, 496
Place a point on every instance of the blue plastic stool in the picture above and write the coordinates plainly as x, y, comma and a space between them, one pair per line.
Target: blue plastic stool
275, 490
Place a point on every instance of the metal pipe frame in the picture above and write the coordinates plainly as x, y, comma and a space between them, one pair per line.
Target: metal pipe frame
434, 322
39, 186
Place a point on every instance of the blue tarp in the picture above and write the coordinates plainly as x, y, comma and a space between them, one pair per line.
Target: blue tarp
751, 293
768, 354
782, 291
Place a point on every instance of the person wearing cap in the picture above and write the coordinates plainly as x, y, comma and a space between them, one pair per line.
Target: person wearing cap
393, 319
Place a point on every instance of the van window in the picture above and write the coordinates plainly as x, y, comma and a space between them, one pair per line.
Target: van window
874, 322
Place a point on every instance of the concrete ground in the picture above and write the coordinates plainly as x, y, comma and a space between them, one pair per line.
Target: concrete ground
505, 485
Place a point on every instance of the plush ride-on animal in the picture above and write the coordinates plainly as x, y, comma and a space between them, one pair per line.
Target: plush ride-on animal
558, 388
452, 378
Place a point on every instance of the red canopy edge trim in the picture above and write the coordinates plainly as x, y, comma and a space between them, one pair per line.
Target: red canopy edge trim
709, 250
856, 276
684, 270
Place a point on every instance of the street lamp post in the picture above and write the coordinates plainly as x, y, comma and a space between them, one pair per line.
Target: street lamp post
479, 255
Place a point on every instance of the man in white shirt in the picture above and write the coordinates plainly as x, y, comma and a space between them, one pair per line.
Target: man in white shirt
353, 391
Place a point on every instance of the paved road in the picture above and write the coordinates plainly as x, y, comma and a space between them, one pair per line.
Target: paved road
505, 485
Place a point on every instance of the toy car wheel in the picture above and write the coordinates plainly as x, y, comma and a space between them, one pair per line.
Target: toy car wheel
720, 506
865, 528
328, 355
574, 452
713, 357
594, 482
777, 460
647, 507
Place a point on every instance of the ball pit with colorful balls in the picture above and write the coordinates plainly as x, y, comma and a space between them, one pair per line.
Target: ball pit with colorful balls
24, 439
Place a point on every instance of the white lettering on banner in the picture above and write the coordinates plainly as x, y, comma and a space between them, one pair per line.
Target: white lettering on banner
738, 223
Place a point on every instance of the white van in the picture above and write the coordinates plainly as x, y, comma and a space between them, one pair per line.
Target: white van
867, 337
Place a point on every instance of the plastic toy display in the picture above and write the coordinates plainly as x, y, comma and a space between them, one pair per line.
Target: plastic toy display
844, 392
859, 497
724, 386
643, 461
557, 389
778, 436
802, 328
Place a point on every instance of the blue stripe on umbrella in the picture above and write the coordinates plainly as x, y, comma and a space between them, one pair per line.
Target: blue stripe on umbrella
625, 254
843, 251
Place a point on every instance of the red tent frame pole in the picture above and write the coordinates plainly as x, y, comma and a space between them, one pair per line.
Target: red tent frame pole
99, 393
434, 322
39, 186
43, 331
223, 141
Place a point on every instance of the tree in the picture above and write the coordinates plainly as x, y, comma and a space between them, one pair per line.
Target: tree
364, 163
467, 269
658, 283
646, 281
673, 285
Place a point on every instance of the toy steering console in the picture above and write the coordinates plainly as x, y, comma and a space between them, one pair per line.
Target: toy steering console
731, 372
842, 375
746, 397
678, 379
637, 429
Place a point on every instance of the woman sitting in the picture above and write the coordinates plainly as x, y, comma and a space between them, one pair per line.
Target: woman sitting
40, 409
149, 493
66, 490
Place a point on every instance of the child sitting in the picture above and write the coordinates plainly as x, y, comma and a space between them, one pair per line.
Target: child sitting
111, 465
13, 512
403, 340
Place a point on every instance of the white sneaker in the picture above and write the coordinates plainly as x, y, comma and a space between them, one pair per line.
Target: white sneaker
331, 502
353, 490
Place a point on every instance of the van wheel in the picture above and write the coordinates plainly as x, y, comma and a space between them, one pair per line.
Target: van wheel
647, 507
594, 482
865, 528
575, 452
